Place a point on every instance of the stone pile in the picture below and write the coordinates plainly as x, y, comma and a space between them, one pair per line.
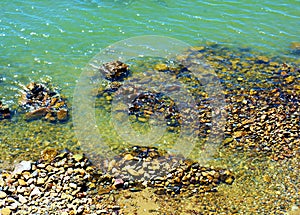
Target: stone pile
142, 167
42, 101
262, 99
56, 184
67, 183
148, 103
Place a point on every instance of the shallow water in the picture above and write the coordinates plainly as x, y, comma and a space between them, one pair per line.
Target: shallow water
47, 40
56, 40
59, 38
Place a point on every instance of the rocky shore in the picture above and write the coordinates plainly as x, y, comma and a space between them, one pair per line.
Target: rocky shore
67, 183
255, 169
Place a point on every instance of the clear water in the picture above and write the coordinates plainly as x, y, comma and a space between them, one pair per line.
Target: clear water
58, 38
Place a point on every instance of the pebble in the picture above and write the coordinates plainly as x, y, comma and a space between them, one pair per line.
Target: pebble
35, 192
22, 166
22, 199
21, 189
6, 211
73, 185
40, 181
2, 195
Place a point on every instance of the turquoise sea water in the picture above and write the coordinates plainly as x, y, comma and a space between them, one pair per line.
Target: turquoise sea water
58, 38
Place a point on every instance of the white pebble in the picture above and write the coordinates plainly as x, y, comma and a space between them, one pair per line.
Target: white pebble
22, 166
35, 191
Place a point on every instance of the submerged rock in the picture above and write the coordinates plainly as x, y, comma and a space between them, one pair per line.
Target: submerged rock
147, 103
41, 100
114, 73
295, 48
115, 70
4, 111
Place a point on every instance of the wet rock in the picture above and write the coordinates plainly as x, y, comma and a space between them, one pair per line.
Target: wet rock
62, 114
36, 114
48, 154
161, 67
43, 101
4, 111
295, 48
78, 157
115, 70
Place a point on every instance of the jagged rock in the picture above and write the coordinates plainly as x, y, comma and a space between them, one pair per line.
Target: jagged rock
115, 70
41, 100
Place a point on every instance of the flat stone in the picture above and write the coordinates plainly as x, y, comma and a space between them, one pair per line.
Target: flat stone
36, 114
40, 181
2, 195
5, 211
22, 166
35, 192
73, 185
22, 182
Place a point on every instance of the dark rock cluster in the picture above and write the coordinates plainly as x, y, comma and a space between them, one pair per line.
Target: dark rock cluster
5, 113
115, 70
40, 100
148, 103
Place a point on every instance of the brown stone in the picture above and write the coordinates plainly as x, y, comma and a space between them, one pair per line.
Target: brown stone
36, 114
62, 114
4, 112
115, 70
48, 154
